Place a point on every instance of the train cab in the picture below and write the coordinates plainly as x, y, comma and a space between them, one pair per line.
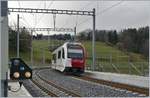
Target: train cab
70, 57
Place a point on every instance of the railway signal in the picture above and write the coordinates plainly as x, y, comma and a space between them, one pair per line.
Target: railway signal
19, 70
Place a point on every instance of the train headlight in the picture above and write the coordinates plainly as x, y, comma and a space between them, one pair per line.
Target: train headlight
27, 74
16, 74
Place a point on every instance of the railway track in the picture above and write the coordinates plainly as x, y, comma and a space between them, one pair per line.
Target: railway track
44, 89
56, 84
51, 88
131, 88
69, 93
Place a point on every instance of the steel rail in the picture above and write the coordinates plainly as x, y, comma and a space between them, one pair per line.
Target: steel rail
44, 89
59, 87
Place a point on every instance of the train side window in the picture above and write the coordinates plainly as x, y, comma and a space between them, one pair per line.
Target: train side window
63, 53
59, 54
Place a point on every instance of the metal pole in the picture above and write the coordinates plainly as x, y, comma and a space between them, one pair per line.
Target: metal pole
129, 65
3, 48
54, 18
17, 35
43, 56
93, 41
75, 34
142, 69
48, 38
31, 48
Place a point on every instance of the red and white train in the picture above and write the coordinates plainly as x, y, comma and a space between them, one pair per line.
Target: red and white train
69, 58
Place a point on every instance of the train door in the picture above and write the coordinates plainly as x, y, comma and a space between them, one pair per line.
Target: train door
58, 57
54, 59
63, 57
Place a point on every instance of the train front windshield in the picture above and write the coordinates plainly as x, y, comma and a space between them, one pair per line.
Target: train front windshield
75, 52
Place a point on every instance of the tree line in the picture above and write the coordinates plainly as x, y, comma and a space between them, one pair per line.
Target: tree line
130, 40
25, 39
24, 42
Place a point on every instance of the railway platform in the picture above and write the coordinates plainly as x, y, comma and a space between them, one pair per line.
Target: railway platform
22, 92
134, 80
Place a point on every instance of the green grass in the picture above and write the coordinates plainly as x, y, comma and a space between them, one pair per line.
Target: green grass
104, 53
38, 47
103, 50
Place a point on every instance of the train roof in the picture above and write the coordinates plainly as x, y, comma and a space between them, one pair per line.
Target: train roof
65, 44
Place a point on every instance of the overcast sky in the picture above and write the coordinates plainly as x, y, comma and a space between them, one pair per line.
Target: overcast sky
109, 14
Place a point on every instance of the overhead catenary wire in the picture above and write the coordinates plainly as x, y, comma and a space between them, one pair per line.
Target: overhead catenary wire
36, 15
39, 20
83, 8
42, 15
76, 22
77, 16
24, 19
90, 3
66, 23
101, 12
114, 5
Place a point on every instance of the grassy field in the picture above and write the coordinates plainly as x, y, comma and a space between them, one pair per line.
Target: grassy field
103, 50
106, 56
